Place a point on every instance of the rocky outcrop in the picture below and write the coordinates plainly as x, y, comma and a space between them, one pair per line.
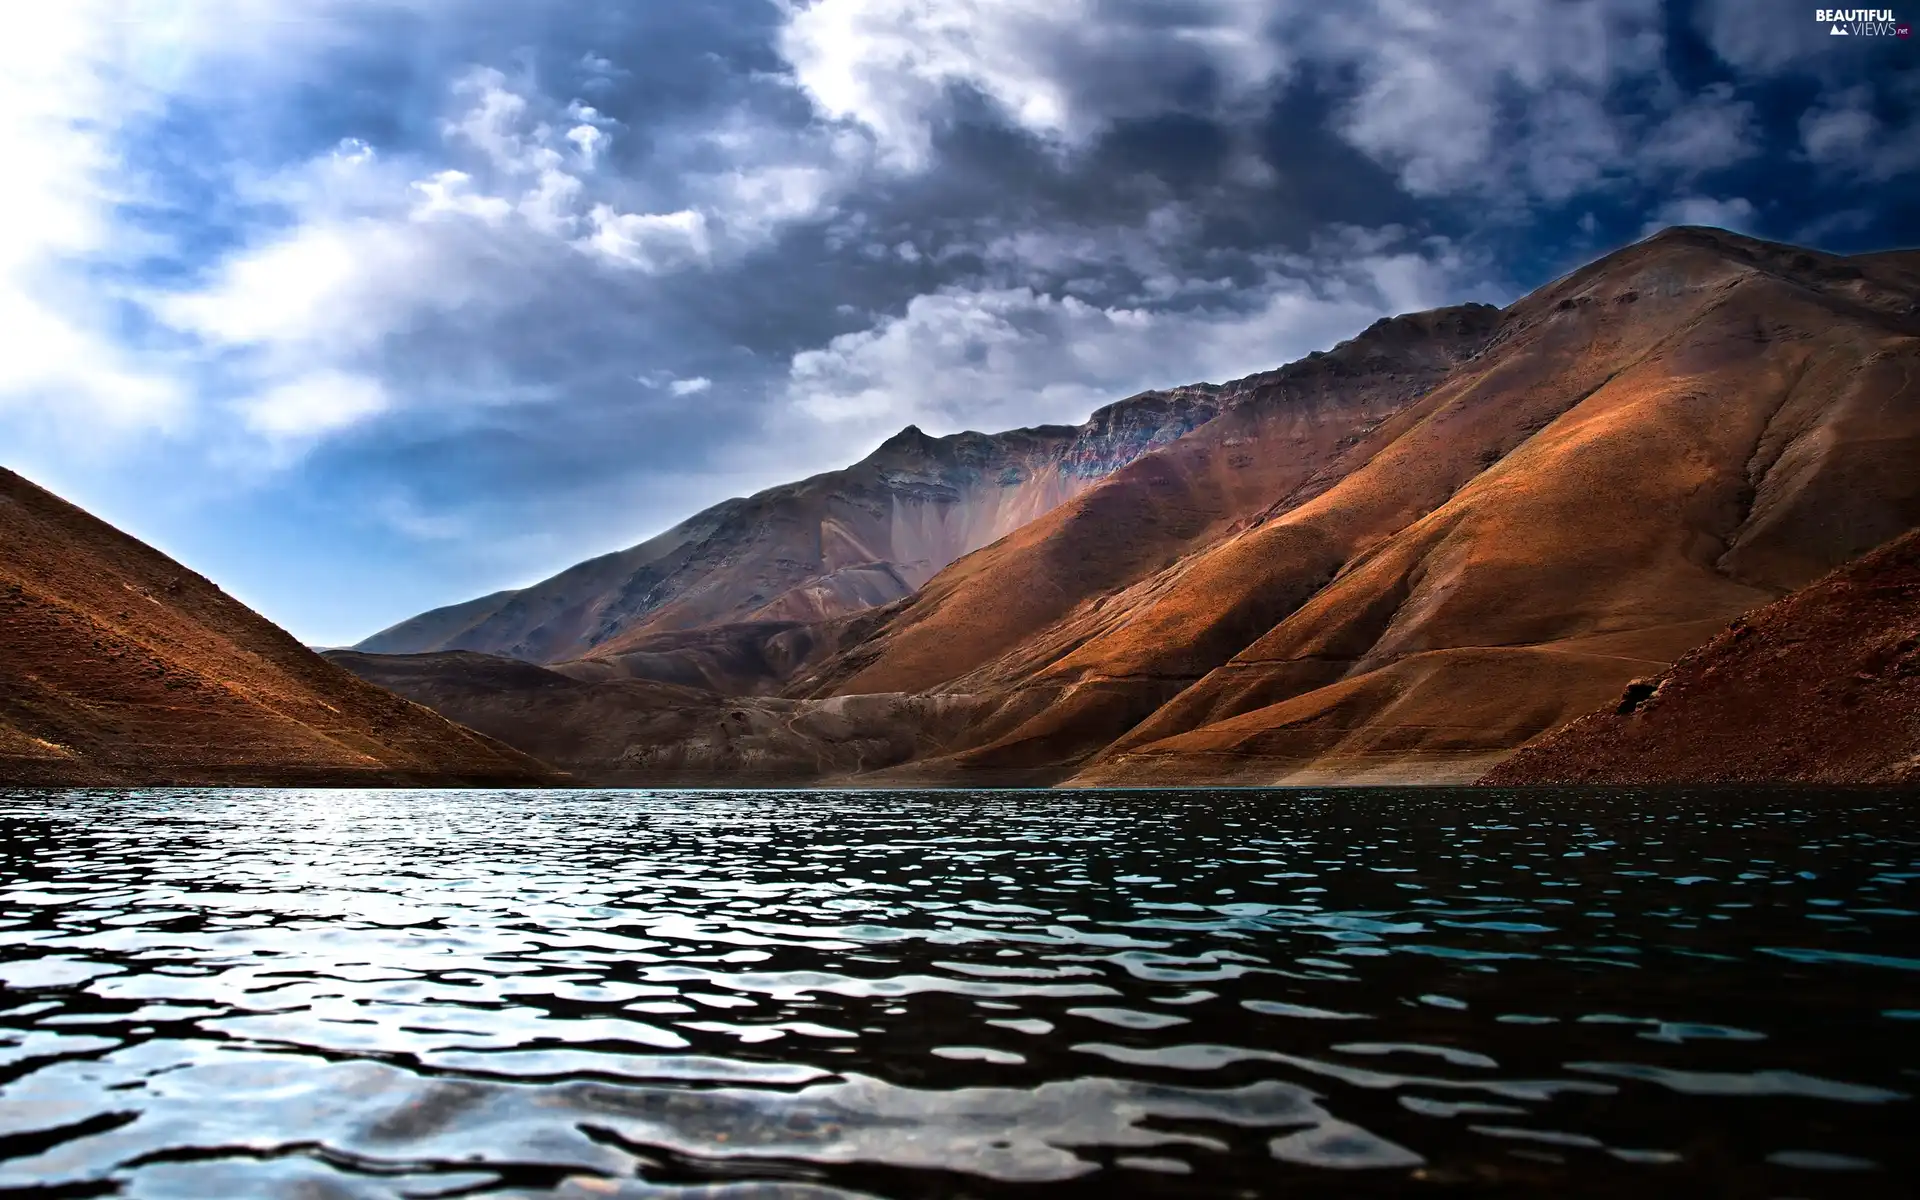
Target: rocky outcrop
118, 666
1821, 687
810, 551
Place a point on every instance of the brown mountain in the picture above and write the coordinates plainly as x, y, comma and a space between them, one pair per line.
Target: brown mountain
1405, 557
824, 547
120, 666
1681, 431
1821, 687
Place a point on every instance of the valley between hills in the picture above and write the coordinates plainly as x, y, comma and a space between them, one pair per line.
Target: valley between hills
1654, 522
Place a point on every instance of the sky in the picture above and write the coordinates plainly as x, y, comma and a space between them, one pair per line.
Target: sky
360, 307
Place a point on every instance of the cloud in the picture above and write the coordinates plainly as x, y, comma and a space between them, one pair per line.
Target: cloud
962, 358
1842, 133
378, 247
1060, 69
1529, 115
690, 387
450, 192
1529, 111
1758, 37
60, 364
652, 242
1711, 131
314, 404
327, 288
1734, 213
589, 139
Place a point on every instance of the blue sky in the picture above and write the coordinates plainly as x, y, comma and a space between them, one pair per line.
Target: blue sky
361, 307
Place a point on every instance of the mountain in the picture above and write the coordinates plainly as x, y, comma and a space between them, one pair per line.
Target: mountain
625, 732
1821, 687
1397, 560
118, 666
824, 547
1684, 430
1000, 618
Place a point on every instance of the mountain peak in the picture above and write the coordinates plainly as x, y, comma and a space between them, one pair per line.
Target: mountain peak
909, 439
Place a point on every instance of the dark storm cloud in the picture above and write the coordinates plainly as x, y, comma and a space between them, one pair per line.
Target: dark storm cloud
483, 287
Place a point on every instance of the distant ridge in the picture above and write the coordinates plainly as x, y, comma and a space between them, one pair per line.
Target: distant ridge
824, 547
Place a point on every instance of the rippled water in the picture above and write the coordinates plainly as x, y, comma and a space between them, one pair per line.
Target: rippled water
320, 994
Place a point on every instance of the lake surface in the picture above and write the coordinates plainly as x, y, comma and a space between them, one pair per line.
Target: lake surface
1384, 992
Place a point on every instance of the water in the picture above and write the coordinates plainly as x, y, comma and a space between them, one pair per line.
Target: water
361, 994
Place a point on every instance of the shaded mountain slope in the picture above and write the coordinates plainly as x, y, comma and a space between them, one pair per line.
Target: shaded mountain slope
120, 666
745, 659
824, 547
1820, 687
1672, 435
635, 732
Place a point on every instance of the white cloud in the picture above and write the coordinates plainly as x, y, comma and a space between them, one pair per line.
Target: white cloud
296, 321
988, 358
451, 192
1710, 131
888, 63
891, 65
1573, 144
552, 207
691, 386
1842, 133
329, 287
1734, 213
773, 180
321, 403
1506, 97
1839, 133
590, 140
758, 200
494, 124
652, 242
1478, 100
59, 362
1759, 37
287, 328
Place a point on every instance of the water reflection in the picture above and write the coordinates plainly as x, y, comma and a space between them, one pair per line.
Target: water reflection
1184, 994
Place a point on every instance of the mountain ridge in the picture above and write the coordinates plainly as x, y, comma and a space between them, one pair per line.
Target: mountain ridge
1402, 558
833, 543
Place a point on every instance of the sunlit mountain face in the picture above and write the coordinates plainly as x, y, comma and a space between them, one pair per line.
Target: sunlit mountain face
364, 308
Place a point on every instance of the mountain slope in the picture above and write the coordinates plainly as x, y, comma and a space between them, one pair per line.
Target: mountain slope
621, 732
1687, 429
1399, 560
1821, 687
119, 666
1280, 430
824, 547
1672, 435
